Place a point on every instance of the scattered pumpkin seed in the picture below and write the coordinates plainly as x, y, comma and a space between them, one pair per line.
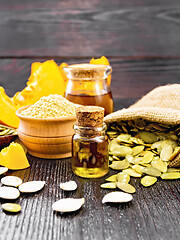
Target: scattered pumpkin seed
117, 197
68, 204
138, 168
119, 165
3, 170
147, 181
11, 207
175, 153
132, 172
148, 157
123, 177
32, 186
121, 151
159, 164
166, 152
126, 187
68, 186
136, 150
12, 181
170, 175
112, 178
110, 185
9, 193
151, 171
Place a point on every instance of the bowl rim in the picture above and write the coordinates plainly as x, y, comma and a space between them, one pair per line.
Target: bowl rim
63, 118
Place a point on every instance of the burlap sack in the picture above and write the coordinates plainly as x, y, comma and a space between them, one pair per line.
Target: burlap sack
161, 105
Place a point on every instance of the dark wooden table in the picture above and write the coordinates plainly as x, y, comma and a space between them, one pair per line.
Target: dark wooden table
141, 40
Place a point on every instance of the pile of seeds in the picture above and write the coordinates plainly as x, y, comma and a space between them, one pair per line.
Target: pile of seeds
6, 131
142, 149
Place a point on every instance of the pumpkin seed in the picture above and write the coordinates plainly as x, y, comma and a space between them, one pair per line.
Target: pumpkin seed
126, 187
11, 207
159, 164
68, 186
132, 172
138, 168
110, 158
3, 170
68, 204
117, 197
123, 177
116, 158
121, 151
119, 165
170, 175
129, 158
147, 181
9, 193
166, 152
137, 160
173, 170
12, 181
32, 186
152, 171
112, 178
123, 138
148, 137
148, 157
136, 140
136, 150
110, 185
175, 153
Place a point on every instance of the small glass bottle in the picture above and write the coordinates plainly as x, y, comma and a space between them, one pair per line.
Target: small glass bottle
90, 158
88, 84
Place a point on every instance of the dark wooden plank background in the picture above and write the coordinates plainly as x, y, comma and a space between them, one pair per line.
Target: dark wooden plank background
141, 40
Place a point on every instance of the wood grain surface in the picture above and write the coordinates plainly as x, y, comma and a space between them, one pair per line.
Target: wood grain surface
89, 28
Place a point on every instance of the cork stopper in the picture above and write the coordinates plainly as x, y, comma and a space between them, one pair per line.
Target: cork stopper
90, 116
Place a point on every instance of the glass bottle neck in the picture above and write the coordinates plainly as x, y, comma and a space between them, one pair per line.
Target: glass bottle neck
90, 131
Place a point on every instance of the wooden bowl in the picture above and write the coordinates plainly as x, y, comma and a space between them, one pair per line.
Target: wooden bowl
46, 138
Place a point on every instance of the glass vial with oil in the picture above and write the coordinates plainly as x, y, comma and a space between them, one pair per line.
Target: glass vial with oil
90, 157
88, 84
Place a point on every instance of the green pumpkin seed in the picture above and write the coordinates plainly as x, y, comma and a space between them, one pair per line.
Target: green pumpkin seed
170, 175
147, 181
159, 164
148, 137
112, 178
121, 151
123, 138
119, 165
148, 157
110, 185
138, 168
136, 150
126, 187
123, 177
11, 207
132, 172
152, 171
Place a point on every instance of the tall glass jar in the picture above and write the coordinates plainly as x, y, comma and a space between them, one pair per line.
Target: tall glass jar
88, 85
90, 157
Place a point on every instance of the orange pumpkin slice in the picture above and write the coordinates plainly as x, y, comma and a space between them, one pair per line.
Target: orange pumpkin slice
102, 61
13, 157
